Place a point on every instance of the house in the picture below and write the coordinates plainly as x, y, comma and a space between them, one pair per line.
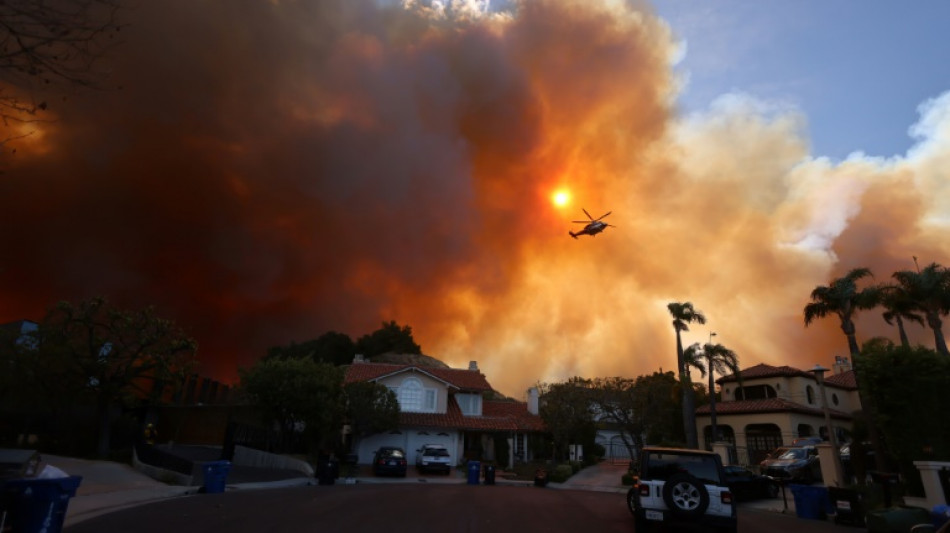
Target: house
774, 405
451, 407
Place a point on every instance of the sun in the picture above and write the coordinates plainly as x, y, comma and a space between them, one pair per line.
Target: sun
561, 197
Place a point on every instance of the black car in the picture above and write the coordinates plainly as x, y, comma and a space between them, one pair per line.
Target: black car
747, 485
796, 464
390, 460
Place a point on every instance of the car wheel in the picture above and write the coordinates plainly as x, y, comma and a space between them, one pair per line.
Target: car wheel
685, 495
632, 497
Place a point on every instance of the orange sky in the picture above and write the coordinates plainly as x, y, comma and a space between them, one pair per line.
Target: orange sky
264, 172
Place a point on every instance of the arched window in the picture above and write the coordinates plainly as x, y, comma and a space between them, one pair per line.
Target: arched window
834, 399
410, 394
810, 394
755, 392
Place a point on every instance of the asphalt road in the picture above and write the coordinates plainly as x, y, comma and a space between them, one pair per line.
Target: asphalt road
394, 508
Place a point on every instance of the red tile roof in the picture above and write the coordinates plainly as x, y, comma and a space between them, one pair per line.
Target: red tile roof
496, 416
466, 380
763, 370
769, 405
844, 380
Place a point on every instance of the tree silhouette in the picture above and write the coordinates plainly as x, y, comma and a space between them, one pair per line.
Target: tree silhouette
684, 314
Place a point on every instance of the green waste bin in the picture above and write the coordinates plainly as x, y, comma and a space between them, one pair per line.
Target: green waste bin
39, 505
848, 506
896, 519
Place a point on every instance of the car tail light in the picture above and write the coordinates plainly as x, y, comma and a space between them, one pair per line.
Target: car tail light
726, 498
644, 490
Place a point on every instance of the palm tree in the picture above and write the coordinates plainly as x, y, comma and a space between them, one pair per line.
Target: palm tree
719, 360
899, 306
684, 314
930, 289
843, 298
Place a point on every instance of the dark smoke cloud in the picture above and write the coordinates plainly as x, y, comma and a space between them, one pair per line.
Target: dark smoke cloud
270, 171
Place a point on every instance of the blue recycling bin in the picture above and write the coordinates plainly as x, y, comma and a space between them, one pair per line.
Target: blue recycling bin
474, 468
940, 515
39, 505
216, 476
810, 502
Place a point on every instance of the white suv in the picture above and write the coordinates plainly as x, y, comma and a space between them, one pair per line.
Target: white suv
433, 457
681, 486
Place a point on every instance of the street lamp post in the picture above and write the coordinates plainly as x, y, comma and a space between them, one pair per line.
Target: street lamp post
819, 372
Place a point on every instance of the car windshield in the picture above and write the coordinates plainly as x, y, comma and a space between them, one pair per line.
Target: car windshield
664, 465
391, 453
436, 452
795, 453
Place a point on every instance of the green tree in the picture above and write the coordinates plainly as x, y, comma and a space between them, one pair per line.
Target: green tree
930, 289
615, 401
390, 338
899, 306
567, 411
331, 347
370, 408
684, 314
111, 354
657, 399
718, 360
300, 396
902, 380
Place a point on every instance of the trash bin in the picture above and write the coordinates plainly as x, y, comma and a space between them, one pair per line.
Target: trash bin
473, 470
896, 519
39, 505
848, 506
810, 502
940, 515
540, 477
328, 470
489, 474
216, 475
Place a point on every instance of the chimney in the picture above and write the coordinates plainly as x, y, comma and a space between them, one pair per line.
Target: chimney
473, 366
841, 365
533, 400
358, 358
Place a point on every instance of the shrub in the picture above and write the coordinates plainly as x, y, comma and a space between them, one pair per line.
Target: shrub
626, 479
560, 473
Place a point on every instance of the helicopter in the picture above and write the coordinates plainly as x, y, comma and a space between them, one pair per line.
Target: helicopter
594, 225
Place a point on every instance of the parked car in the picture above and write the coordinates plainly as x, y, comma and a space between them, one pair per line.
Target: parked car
433, 457
390, 460
797, 464
747, 485
807, 441
683, 487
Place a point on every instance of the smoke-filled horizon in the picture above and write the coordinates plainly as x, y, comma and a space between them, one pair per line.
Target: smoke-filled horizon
270, 171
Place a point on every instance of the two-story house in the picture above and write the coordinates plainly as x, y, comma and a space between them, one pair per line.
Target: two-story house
448, 406
774, 405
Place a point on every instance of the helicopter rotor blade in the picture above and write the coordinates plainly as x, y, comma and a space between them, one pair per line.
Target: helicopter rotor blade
604, 215
586, 213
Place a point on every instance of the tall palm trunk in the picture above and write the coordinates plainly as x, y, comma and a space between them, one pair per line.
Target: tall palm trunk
714, 428
905, 342
933, 320
689, 397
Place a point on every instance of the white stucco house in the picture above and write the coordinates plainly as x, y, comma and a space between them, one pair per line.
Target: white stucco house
776, 405
448, 406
